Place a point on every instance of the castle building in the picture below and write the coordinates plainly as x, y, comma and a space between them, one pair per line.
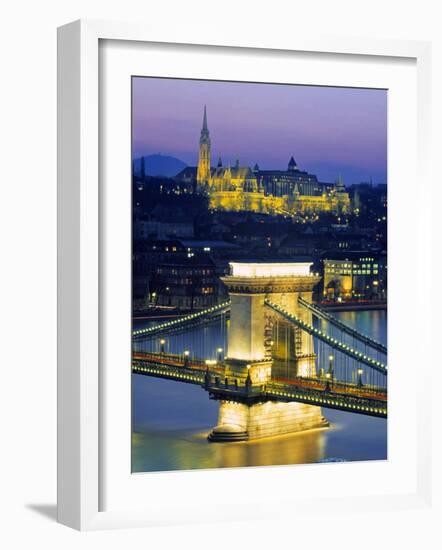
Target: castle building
241, 188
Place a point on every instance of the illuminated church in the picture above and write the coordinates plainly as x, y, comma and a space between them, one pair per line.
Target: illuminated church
236, 188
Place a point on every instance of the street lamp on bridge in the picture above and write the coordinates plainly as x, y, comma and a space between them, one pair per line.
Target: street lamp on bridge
220, 354
331, 370
248, 379
162, 344
327, 381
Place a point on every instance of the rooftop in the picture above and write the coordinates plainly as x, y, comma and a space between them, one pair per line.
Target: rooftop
351, 255
207, 244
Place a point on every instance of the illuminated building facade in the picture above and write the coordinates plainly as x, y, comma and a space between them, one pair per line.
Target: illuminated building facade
241, 188
355, 275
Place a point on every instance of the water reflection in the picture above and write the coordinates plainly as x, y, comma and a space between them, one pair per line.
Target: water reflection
186, 451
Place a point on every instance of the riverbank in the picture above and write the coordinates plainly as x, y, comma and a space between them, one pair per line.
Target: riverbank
164, 314
352, 306
158, 314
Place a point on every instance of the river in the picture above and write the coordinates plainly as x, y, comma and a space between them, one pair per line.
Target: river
171, 420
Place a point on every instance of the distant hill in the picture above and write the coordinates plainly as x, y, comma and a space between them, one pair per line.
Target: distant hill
159, 165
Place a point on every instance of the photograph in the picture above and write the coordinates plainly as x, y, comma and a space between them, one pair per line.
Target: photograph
259, 274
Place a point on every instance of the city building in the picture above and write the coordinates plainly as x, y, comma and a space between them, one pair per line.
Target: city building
241, 188
155, 229
212, 247
355, 276
186, 283
146, 255
311, 244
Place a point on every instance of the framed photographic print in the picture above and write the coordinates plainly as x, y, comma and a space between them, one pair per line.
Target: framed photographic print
224, 301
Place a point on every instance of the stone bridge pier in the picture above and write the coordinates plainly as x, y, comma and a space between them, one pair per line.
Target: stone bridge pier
262, 346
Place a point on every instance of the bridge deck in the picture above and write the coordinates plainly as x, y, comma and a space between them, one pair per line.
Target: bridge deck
337, 395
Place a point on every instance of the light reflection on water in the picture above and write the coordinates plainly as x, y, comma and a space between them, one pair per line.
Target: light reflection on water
171, 421
188, 450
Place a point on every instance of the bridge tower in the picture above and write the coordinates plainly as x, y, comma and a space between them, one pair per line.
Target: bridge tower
261, 346
258, 341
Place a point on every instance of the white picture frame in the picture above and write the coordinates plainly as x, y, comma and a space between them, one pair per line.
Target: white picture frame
79, 268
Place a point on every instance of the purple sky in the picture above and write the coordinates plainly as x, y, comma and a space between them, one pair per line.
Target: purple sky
329, 131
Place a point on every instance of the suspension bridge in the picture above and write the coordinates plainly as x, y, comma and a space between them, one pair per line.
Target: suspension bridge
278, 358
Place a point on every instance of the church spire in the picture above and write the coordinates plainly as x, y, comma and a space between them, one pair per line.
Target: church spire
203, 171
205, 120
205, 134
